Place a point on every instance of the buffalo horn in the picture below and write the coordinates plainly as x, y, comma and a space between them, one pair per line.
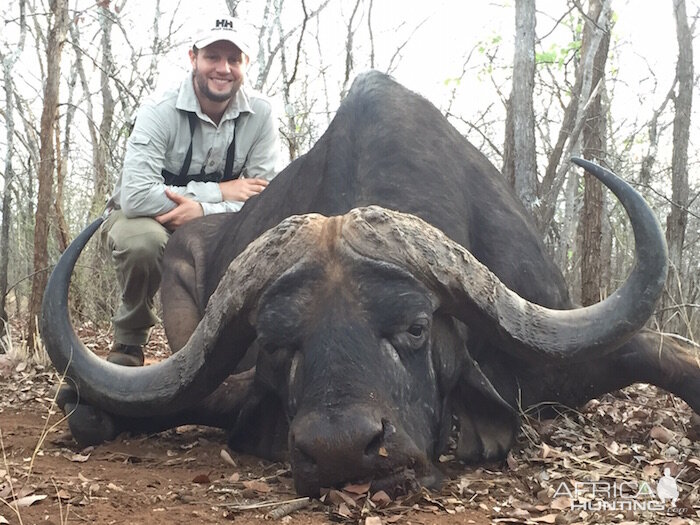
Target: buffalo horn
473, 294
199, 367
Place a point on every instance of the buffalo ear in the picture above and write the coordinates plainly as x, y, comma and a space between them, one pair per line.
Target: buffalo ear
488, 425
448, 351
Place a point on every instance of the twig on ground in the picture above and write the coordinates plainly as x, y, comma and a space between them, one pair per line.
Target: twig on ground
45, 431
13, 508
287, 508
64, 519
262, 505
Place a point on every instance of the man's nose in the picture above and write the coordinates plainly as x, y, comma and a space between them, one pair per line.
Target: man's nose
224, 66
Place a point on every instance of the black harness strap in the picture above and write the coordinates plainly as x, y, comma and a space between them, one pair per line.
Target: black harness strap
192, 118
182, 178
231, 153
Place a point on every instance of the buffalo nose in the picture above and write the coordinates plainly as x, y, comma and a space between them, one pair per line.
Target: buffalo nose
338, 447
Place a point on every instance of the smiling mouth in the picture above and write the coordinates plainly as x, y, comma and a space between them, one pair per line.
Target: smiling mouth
221, 82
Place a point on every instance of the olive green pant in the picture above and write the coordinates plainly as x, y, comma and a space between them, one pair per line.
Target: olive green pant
136, 247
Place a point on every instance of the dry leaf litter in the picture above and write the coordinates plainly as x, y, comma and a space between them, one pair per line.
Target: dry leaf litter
626, 439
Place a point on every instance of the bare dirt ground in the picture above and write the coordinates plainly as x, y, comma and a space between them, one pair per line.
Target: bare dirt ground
188, 475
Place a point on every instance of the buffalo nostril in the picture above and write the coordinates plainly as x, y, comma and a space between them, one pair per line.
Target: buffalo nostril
302, 455
300, 452
375, 445
330, 450
343, 445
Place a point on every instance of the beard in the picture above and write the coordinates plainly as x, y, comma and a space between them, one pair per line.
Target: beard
215, 96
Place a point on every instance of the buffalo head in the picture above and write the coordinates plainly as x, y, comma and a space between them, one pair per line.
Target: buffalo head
346, 343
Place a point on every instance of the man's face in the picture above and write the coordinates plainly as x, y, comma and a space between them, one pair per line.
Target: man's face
219, 70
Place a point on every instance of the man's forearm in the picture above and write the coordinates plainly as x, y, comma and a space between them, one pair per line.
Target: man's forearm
150, 201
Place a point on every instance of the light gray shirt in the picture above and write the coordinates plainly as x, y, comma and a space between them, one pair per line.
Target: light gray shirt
161, 138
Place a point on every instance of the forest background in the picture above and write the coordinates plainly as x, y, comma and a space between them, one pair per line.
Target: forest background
530, 83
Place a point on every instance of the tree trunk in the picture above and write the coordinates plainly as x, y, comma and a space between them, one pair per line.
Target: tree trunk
677, 220
6, 197
567, 249
8, 63
591, 227
103, 145
520, 161
61, 226
4, 246
584, 90
508, 168
565, 133
54, 47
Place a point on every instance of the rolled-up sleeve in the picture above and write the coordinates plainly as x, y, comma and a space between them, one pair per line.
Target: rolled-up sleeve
210, 208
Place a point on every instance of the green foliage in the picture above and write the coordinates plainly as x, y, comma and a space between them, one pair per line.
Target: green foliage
486, 45
546, 57
557, 54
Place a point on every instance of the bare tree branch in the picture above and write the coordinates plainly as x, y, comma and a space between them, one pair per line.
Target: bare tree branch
391, 67
371, 34
301, 38
268, 62
349, 49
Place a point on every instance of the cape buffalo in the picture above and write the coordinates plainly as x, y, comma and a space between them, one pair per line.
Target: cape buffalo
386, 287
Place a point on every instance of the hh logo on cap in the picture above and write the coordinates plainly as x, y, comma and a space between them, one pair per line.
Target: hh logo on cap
224, 24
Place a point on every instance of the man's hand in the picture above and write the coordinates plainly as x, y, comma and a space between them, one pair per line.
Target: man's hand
241, 189
186, 210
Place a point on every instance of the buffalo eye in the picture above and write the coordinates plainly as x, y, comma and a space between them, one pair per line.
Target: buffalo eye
413, 336
416, 329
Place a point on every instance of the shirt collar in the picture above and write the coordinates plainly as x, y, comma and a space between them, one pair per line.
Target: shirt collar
187, 101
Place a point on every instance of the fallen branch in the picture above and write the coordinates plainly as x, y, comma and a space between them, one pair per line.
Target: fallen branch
263, 505
288, 508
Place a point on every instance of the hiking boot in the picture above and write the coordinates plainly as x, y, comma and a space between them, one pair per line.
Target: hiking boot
126, 355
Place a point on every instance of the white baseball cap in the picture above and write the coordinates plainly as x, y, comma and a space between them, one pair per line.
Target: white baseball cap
226, 28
